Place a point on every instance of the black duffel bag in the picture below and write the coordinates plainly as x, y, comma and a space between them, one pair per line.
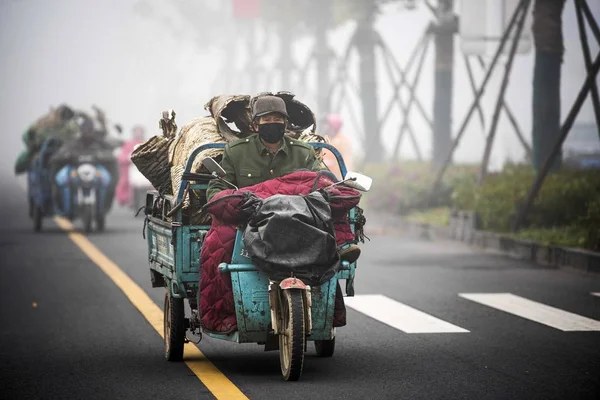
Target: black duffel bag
293, 235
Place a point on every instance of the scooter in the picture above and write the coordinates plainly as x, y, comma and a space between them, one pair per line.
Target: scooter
83, 186
77, 190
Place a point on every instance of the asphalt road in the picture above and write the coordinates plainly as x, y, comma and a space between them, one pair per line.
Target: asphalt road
68, 332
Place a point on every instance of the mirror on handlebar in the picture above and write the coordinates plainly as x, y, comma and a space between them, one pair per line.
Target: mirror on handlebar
216, 170
213, 167
358, 181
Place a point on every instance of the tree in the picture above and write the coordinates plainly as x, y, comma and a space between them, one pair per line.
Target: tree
549, 50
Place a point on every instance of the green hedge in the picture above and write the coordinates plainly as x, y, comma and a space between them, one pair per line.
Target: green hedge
404, 187
434, 216
566, 211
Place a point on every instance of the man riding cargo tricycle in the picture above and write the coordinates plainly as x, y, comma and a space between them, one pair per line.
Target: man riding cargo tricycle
266, 269
280, 302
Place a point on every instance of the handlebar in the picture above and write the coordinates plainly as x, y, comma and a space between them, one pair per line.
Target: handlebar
190, 176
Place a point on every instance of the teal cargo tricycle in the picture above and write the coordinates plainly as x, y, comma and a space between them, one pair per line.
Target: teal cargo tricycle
280, 314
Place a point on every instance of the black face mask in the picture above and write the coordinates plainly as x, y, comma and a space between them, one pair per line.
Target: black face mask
271, 133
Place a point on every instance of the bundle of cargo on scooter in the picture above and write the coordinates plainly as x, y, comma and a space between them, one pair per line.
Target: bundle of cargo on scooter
162, 159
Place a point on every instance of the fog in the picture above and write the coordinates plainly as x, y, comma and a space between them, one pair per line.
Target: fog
133, 64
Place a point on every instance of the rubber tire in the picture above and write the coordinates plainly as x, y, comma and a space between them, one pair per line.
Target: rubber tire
325, 348
174, 328
37, 219
291, 348
87, 218
100, 222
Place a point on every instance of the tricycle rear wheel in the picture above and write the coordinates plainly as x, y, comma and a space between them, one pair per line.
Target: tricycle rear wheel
100, 222
87, 217
325, 348
38, 216
174, 328
292, 339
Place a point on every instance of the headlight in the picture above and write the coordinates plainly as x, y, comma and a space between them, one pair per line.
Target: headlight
86, 158
86, 172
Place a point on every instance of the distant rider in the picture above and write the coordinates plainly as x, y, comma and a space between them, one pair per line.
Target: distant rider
124, 159
59, 123
90, 141
342, 143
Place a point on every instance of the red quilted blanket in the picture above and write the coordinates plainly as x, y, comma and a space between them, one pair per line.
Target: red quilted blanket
217, 309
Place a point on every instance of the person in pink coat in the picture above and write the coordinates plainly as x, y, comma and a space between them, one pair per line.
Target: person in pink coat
333, 130
124, 192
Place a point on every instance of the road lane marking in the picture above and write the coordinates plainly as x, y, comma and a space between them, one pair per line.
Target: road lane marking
534, 311
596, 294
399, 316
214, 380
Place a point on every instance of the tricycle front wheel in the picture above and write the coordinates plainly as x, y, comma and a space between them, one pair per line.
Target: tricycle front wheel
174, 328
292, 339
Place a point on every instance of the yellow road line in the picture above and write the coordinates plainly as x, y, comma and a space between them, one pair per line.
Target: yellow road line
219, 385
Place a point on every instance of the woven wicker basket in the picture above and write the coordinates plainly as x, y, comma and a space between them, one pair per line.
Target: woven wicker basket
152, 159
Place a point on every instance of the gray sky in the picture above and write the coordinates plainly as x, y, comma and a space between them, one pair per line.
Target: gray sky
86, 52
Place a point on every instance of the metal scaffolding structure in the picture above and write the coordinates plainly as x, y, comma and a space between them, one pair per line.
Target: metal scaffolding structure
328, 80
348, 80
333, 86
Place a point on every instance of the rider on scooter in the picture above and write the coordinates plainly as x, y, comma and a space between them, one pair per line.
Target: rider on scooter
89, 141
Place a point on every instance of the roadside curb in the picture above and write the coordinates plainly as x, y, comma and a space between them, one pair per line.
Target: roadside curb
461, 228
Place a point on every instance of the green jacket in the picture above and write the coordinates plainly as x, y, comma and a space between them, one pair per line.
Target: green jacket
34, 139
248, 162
65, 130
